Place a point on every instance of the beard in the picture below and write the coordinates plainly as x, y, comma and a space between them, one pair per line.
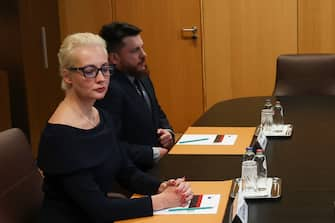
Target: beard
135, 72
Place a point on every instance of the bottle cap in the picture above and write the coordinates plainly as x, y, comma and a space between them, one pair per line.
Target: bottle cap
249, 148
259, 151
268, 104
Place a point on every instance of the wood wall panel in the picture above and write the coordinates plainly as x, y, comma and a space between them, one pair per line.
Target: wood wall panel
242, 40
316, 26
83, 15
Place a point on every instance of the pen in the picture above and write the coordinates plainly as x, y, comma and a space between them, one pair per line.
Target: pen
190, 209
193, 140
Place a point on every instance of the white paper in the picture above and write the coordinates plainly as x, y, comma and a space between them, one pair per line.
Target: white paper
209, 139
262, 140
208, 200
240, 209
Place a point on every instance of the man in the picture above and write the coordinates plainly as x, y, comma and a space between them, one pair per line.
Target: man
142, 126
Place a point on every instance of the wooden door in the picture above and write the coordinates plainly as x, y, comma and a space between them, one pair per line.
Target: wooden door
243, 38
40, 44
11, 63
316, 26
174, 58
83, 15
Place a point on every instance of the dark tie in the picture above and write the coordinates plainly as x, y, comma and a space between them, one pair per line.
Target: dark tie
140, 90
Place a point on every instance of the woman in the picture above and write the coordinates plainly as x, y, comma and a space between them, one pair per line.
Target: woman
78, 152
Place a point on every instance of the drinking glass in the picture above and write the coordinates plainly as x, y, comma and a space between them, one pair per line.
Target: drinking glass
249, 176
266, 119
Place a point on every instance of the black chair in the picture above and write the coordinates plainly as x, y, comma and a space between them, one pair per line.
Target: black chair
305, 74
20, 181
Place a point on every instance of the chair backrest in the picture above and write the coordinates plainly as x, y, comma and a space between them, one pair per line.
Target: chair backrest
305, 74
20, 181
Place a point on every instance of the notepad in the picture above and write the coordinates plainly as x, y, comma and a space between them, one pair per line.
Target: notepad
214, 141
198, 187
207, 139
200, 204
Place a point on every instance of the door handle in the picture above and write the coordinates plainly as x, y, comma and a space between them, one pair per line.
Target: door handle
194, 31
44, 47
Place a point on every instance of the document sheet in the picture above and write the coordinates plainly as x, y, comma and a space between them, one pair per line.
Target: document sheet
200, 204
207, 139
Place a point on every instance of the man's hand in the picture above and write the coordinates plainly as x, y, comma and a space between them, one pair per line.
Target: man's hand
165, 138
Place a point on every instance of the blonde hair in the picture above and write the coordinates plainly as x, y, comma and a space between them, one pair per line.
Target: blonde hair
70, 43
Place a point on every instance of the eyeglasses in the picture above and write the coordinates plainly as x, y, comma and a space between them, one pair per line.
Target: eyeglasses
91, 71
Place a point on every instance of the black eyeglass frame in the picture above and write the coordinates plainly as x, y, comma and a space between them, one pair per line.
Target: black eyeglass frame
105, 69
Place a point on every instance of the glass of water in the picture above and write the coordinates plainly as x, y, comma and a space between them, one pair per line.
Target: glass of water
266, 119
249, 176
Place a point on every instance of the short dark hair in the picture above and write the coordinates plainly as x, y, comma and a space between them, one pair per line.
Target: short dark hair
114, 33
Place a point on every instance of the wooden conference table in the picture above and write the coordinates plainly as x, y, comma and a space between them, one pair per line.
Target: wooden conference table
305, 161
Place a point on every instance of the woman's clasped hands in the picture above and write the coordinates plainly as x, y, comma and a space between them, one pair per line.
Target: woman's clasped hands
172, 193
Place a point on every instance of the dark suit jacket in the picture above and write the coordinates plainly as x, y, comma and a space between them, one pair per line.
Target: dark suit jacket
136, 125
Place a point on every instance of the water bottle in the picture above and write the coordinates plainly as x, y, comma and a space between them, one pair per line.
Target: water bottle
262, 172
268, 104
267, 115
249, 154
278, 114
